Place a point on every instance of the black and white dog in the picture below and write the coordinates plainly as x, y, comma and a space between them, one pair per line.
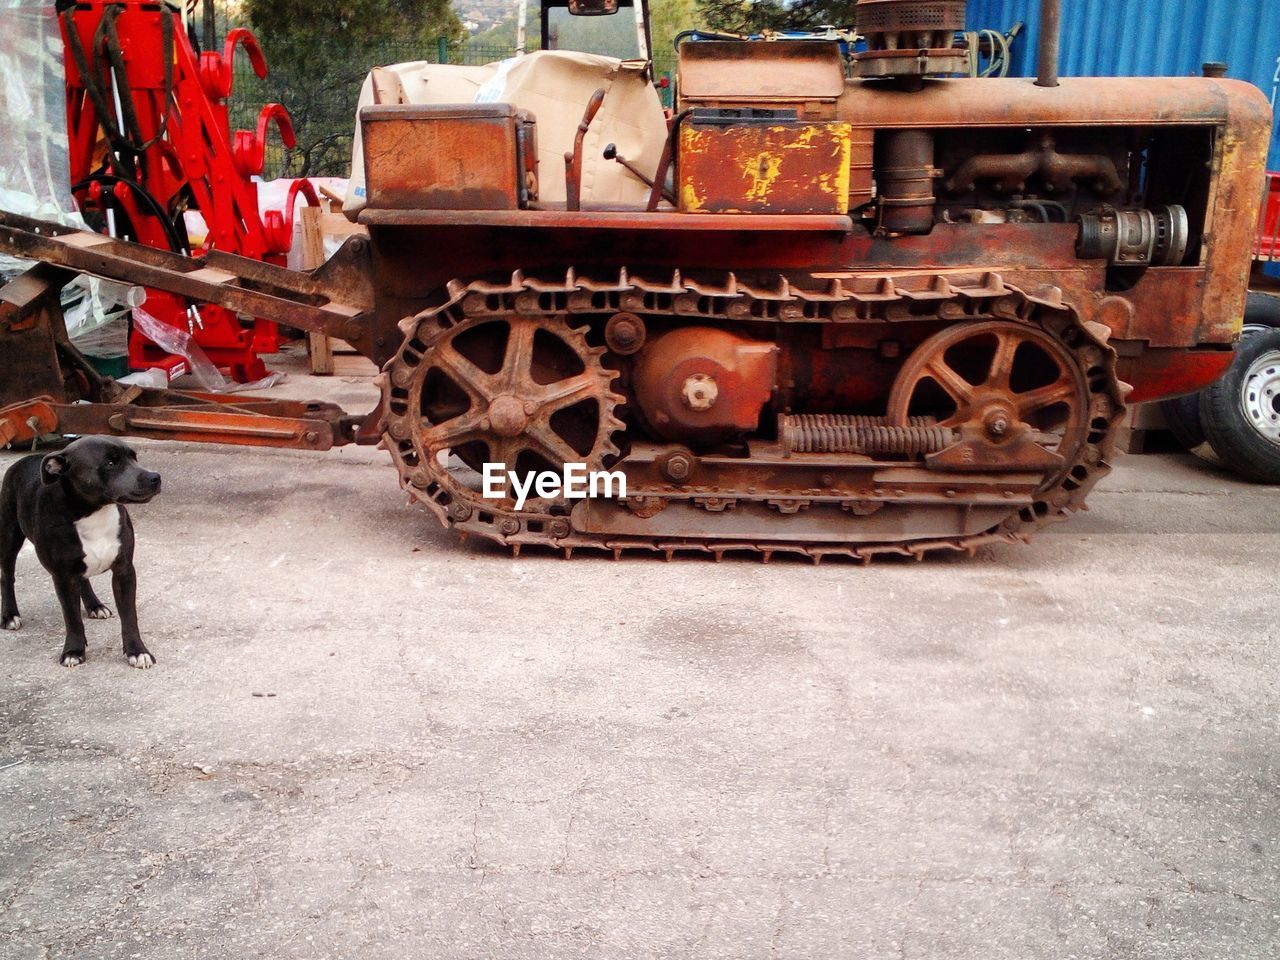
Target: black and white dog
69, 504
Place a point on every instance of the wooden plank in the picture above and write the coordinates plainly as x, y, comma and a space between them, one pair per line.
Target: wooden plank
319, 347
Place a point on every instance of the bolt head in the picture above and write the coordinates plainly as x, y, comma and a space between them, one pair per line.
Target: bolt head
507, 417
678, 467
699, 392
624, 334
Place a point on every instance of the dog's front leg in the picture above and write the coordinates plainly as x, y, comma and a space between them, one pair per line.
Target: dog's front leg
73, 651
95, 608
124, 584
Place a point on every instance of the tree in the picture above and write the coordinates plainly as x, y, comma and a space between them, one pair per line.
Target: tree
667, 20
756, 16
319, 52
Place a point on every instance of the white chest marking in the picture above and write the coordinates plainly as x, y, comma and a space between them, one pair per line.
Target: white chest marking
100, 539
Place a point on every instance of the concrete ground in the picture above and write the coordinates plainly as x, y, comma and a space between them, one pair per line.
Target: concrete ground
364, 739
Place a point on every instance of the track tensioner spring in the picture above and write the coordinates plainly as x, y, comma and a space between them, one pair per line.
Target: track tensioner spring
871, 436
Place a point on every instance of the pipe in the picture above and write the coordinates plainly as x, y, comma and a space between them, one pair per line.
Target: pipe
1050, 35
904, 181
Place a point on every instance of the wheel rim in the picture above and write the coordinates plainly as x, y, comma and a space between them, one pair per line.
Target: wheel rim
1260, 396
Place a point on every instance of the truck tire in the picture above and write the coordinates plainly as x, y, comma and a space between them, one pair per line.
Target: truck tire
1182, 417
1182, 414
1240, 413
1263, 310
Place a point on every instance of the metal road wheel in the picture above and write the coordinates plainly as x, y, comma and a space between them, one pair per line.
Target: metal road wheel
1240, 413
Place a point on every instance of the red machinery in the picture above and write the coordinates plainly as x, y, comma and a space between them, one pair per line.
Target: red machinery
150, 137
1267, 248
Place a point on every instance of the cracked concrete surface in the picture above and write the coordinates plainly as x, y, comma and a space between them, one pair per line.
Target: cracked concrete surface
364, 739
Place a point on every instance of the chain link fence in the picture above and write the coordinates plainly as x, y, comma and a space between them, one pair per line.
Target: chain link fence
321, 97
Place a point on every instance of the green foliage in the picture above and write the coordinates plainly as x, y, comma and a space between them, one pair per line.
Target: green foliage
358, 23
503, 35
667, 20
319, 52
755, 16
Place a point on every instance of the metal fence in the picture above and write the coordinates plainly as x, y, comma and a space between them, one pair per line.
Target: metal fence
322, 98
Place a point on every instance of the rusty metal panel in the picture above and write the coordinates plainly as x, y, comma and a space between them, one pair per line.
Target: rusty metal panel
463, 156
756, 168
861, 166
1077, 102
715, 72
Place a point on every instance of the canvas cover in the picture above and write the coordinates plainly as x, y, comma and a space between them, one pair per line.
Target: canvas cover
555, 86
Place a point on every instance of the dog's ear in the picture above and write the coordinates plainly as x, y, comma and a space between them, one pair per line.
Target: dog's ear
53, 467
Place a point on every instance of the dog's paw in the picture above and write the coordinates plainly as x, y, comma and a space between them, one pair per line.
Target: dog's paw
72, 659
143, 661
100, 612
12, 623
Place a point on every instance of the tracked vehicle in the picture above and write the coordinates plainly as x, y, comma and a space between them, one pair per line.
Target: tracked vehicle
835, 306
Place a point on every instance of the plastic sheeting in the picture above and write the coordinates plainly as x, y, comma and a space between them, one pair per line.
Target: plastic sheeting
35, 177
182, 344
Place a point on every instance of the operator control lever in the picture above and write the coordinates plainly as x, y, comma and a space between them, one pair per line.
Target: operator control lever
611, 153
573, 161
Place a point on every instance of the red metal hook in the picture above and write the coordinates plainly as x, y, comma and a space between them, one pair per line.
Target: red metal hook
278, 225
216, 69
249, 148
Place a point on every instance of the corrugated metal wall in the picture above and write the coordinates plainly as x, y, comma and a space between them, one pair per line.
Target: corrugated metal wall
1129, 38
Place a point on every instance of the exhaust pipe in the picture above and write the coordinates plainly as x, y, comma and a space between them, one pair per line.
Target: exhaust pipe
1050, 33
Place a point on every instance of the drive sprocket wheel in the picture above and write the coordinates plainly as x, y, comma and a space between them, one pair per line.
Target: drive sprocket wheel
527, 392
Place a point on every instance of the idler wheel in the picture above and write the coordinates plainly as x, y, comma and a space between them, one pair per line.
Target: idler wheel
1015, 394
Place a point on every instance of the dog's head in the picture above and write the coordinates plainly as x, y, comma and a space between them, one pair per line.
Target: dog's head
101, 470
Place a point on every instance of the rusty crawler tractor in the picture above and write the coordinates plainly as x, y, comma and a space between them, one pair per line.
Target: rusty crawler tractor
845, 316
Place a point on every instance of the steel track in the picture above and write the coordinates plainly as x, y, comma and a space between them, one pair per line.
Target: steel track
870, 298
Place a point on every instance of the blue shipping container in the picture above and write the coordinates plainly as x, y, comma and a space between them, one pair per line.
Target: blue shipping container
1158, 38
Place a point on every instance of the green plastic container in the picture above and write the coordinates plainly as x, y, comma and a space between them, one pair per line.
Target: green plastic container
110, 366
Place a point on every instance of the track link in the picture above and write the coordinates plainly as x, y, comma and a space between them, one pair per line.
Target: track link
948, 298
